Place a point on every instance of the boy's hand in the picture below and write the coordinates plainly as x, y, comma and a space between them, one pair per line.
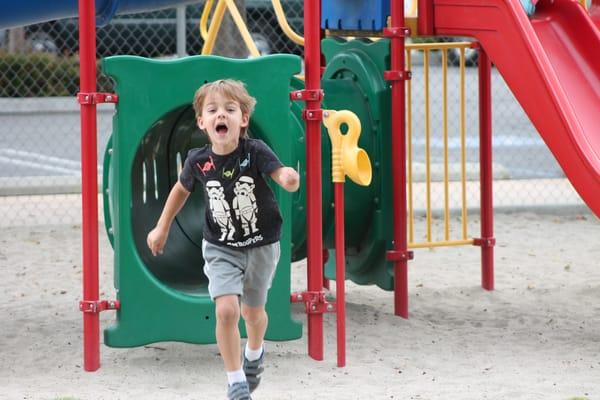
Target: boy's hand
156, 240
287, 178
158, 236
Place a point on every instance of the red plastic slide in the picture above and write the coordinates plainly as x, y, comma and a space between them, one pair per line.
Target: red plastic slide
551, 62
594, 12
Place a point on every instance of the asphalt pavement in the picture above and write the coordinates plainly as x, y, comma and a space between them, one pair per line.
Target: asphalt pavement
40, 137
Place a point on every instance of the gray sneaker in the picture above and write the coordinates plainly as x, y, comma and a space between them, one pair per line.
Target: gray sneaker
253, 369
239, 391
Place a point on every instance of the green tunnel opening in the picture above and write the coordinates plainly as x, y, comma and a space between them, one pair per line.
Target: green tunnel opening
156, 167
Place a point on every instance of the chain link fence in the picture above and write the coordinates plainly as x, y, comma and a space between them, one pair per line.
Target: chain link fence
40, 127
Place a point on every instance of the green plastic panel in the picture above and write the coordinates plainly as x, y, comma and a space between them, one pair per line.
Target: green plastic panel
353, 80
164, 298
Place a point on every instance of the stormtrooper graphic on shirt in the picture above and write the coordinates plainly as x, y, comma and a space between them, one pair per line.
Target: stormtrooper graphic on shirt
219, 209
244, 204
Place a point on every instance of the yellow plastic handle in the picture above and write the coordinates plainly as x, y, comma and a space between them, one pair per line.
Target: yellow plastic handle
346, 157
285, 27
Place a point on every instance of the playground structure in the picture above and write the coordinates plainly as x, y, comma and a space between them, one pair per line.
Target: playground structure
141, 165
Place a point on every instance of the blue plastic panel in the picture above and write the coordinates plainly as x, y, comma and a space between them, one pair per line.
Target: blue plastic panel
19, 13
362, 15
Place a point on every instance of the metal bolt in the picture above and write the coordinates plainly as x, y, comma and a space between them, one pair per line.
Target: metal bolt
87, 98
109, 98
313, 307
310, 114
110, 151
110, 230
298, 95
326, 114
329, 307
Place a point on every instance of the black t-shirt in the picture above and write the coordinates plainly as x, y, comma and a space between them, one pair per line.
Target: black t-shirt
241, 210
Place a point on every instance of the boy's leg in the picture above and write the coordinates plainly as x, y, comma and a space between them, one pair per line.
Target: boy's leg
227, 312
258, 276
256, 321
228, 339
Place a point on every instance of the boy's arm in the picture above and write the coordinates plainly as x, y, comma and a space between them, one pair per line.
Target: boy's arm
287, 178
158, 236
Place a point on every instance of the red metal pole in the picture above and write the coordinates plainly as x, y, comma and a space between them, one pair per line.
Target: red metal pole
486, 176
399, 161
425, 20
340, 274
89, 183
313, 117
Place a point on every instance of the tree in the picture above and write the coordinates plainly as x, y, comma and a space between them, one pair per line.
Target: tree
16, 40
229, 41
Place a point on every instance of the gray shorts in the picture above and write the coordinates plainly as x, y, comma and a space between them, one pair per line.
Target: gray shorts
245, 272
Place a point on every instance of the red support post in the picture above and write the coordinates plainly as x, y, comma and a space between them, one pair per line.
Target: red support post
397, 75
326, 282
313, 116
425, 20
485, 169
340, 274
89, 183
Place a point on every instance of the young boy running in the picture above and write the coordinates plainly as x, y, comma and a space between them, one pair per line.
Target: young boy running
242, 224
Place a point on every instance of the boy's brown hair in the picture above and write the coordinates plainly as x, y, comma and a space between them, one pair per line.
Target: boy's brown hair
230, 89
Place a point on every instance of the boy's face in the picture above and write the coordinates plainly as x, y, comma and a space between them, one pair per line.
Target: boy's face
223, 120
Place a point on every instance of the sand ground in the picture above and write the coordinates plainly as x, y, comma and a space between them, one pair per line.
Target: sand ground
537, 336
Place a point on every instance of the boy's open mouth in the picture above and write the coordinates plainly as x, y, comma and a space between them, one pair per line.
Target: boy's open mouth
221, 129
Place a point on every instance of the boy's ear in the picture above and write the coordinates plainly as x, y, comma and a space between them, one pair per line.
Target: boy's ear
200, 122
245, 120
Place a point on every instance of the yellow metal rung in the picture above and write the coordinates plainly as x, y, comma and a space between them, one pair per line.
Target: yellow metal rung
443, 243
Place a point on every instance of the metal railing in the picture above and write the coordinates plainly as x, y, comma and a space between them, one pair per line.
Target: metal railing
429, 240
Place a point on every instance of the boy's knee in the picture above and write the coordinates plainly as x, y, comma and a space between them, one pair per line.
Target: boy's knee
227, 312
253, 315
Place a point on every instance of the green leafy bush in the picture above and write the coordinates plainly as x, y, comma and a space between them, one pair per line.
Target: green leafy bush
42, 75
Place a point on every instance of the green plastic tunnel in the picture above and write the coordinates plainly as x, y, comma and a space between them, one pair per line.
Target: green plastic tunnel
145, 155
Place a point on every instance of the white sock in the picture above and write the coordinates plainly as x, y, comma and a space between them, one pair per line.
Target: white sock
252, 355
236, 376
